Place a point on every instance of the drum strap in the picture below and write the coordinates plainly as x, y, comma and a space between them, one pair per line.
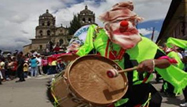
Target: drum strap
146, 104
56, 102
110, 50
106, 51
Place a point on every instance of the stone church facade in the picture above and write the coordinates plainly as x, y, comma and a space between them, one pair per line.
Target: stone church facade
47, 31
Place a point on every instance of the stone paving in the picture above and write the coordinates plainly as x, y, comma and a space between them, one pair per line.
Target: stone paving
32, 93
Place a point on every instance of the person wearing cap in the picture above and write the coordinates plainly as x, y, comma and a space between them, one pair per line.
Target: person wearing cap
138, 93
121, 42
126, 46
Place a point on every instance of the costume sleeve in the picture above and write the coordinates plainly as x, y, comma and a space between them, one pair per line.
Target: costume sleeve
88, 45
178, 42
161, 55
176, 56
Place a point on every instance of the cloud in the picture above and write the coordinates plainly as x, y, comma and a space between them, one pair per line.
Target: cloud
19, 19
151, 10
24, 32
147, 32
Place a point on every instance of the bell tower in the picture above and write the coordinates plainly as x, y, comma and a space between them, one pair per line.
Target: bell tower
86, 16
46, 26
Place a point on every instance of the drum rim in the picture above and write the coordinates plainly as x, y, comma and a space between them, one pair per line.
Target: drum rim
78, 94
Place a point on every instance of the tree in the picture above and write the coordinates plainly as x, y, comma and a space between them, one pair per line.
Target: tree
74, 25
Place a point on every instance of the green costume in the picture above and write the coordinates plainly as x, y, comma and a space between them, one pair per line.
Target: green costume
98, 41
168, 88
170, 43
172, 74
178, 42
145, 49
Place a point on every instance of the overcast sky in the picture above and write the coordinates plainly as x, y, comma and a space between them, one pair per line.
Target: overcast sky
20, 17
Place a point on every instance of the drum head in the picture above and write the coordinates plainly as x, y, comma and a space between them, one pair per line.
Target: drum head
87, 77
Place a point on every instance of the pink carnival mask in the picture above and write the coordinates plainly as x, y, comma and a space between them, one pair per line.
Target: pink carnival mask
123, 33
120, 24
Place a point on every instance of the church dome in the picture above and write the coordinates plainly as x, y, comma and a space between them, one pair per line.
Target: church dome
86, 11
47, 14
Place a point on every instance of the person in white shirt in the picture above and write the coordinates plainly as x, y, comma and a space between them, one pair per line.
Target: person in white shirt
39, 64
2, 66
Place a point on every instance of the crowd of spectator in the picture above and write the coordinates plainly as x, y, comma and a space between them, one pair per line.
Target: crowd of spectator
30, 65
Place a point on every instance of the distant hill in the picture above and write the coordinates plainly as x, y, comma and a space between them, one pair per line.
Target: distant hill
152, 23
148, 25
11, 49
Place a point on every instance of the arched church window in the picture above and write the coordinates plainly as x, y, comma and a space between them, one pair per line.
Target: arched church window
48, 33
41, 33
83, 19
48, 23
40, 47
61, 42
43, 24
89, 20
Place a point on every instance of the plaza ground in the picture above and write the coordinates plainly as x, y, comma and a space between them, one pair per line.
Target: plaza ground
32, 93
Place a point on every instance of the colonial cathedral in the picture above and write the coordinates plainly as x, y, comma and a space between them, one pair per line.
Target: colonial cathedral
47, 32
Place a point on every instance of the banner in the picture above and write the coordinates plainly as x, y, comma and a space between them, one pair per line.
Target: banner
78, 39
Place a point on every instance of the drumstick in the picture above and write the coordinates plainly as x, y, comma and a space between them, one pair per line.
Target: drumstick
128, 69
114, 73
